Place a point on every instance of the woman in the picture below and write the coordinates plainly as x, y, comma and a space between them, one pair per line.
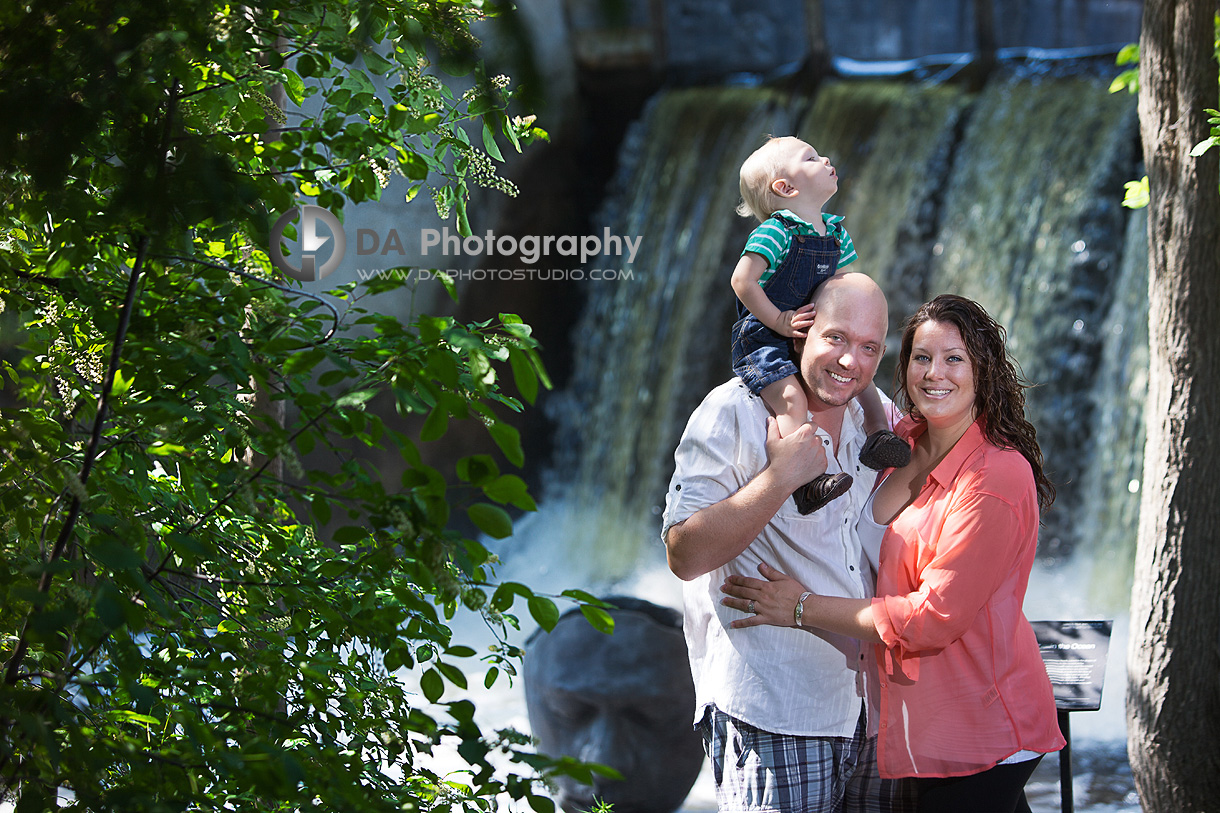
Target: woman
965, 703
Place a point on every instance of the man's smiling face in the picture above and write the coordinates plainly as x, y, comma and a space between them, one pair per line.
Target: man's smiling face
844, 347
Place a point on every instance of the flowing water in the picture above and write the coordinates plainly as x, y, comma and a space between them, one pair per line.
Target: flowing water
1009, 195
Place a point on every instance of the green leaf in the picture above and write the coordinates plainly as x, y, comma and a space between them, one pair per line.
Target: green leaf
502, 599
1203, 146
489, 143
423, 124
121, 384
523, 374
585, 598
377, 63
413, 167
431, 685
544, 612
509, 488
396, 116
350, 534
293, 86
331, 377
435, 425
479, 470
491, 520
304, 362
509, 441
357, 398
115, 555
321, 508
449, 285
540, 804
455, 675
1137, 195
601, 620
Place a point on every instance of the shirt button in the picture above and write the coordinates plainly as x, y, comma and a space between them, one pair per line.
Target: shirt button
825, 442
883, 725
852, 568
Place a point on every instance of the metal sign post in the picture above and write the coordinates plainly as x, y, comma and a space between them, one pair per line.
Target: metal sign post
1074, 654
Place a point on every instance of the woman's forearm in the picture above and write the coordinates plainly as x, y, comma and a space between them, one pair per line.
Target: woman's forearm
847, 616
773, 600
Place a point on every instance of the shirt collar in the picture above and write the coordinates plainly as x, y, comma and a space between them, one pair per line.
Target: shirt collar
852, 425
831, 221
950, 466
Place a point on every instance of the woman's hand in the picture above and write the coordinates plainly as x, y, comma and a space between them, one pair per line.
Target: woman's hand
772, 599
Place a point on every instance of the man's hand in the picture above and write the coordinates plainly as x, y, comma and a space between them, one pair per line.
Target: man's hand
717, 534
796, 459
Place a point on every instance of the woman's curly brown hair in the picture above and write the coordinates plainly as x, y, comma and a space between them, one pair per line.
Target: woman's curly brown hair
998, 383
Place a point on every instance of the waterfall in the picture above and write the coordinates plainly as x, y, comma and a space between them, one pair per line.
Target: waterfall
647, 346
1010, 196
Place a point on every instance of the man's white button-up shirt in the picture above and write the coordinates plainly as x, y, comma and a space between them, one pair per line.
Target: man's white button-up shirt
780, 679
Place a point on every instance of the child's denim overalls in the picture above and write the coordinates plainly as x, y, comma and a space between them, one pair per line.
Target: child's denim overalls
760, 355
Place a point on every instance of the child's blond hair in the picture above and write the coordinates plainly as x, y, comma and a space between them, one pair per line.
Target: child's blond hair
757, 173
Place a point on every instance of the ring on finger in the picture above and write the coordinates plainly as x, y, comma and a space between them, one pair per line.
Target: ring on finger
750, 607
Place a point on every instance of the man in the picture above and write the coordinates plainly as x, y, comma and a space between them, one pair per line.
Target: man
782, 709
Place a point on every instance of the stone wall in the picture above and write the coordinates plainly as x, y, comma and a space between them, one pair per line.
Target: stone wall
704, 41
906, 29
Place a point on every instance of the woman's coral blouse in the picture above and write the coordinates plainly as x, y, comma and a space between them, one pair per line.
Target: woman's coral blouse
962, 685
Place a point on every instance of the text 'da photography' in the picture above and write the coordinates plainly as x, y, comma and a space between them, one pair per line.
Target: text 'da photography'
309, 243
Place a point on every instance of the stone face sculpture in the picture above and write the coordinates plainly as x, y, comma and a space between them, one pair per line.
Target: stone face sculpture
624, 700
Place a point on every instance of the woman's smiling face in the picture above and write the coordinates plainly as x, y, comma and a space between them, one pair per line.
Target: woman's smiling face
940, 375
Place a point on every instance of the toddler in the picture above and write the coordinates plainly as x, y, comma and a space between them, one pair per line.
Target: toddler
785, 184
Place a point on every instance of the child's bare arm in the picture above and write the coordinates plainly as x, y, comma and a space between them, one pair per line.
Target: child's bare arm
746, 275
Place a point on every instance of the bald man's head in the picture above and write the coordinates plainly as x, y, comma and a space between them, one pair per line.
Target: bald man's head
846, 341
856, 288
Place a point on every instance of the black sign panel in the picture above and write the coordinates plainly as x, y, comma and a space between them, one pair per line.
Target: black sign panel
1074, 654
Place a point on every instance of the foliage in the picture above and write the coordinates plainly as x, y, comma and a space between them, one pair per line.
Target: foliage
1136, 192
184, 626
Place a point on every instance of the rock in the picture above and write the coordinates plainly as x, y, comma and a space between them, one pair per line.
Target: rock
624, 700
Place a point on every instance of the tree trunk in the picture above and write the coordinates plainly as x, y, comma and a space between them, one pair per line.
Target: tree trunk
1173, 689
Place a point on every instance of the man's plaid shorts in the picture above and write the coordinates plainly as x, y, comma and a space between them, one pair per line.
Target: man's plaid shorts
756, 770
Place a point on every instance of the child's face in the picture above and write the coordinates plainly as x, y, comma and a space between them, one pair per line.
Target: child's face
804, 172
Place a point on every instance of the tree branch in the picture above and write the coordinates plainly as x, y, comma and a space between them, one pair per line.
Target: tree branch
13, 667
334, 312
65, 532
